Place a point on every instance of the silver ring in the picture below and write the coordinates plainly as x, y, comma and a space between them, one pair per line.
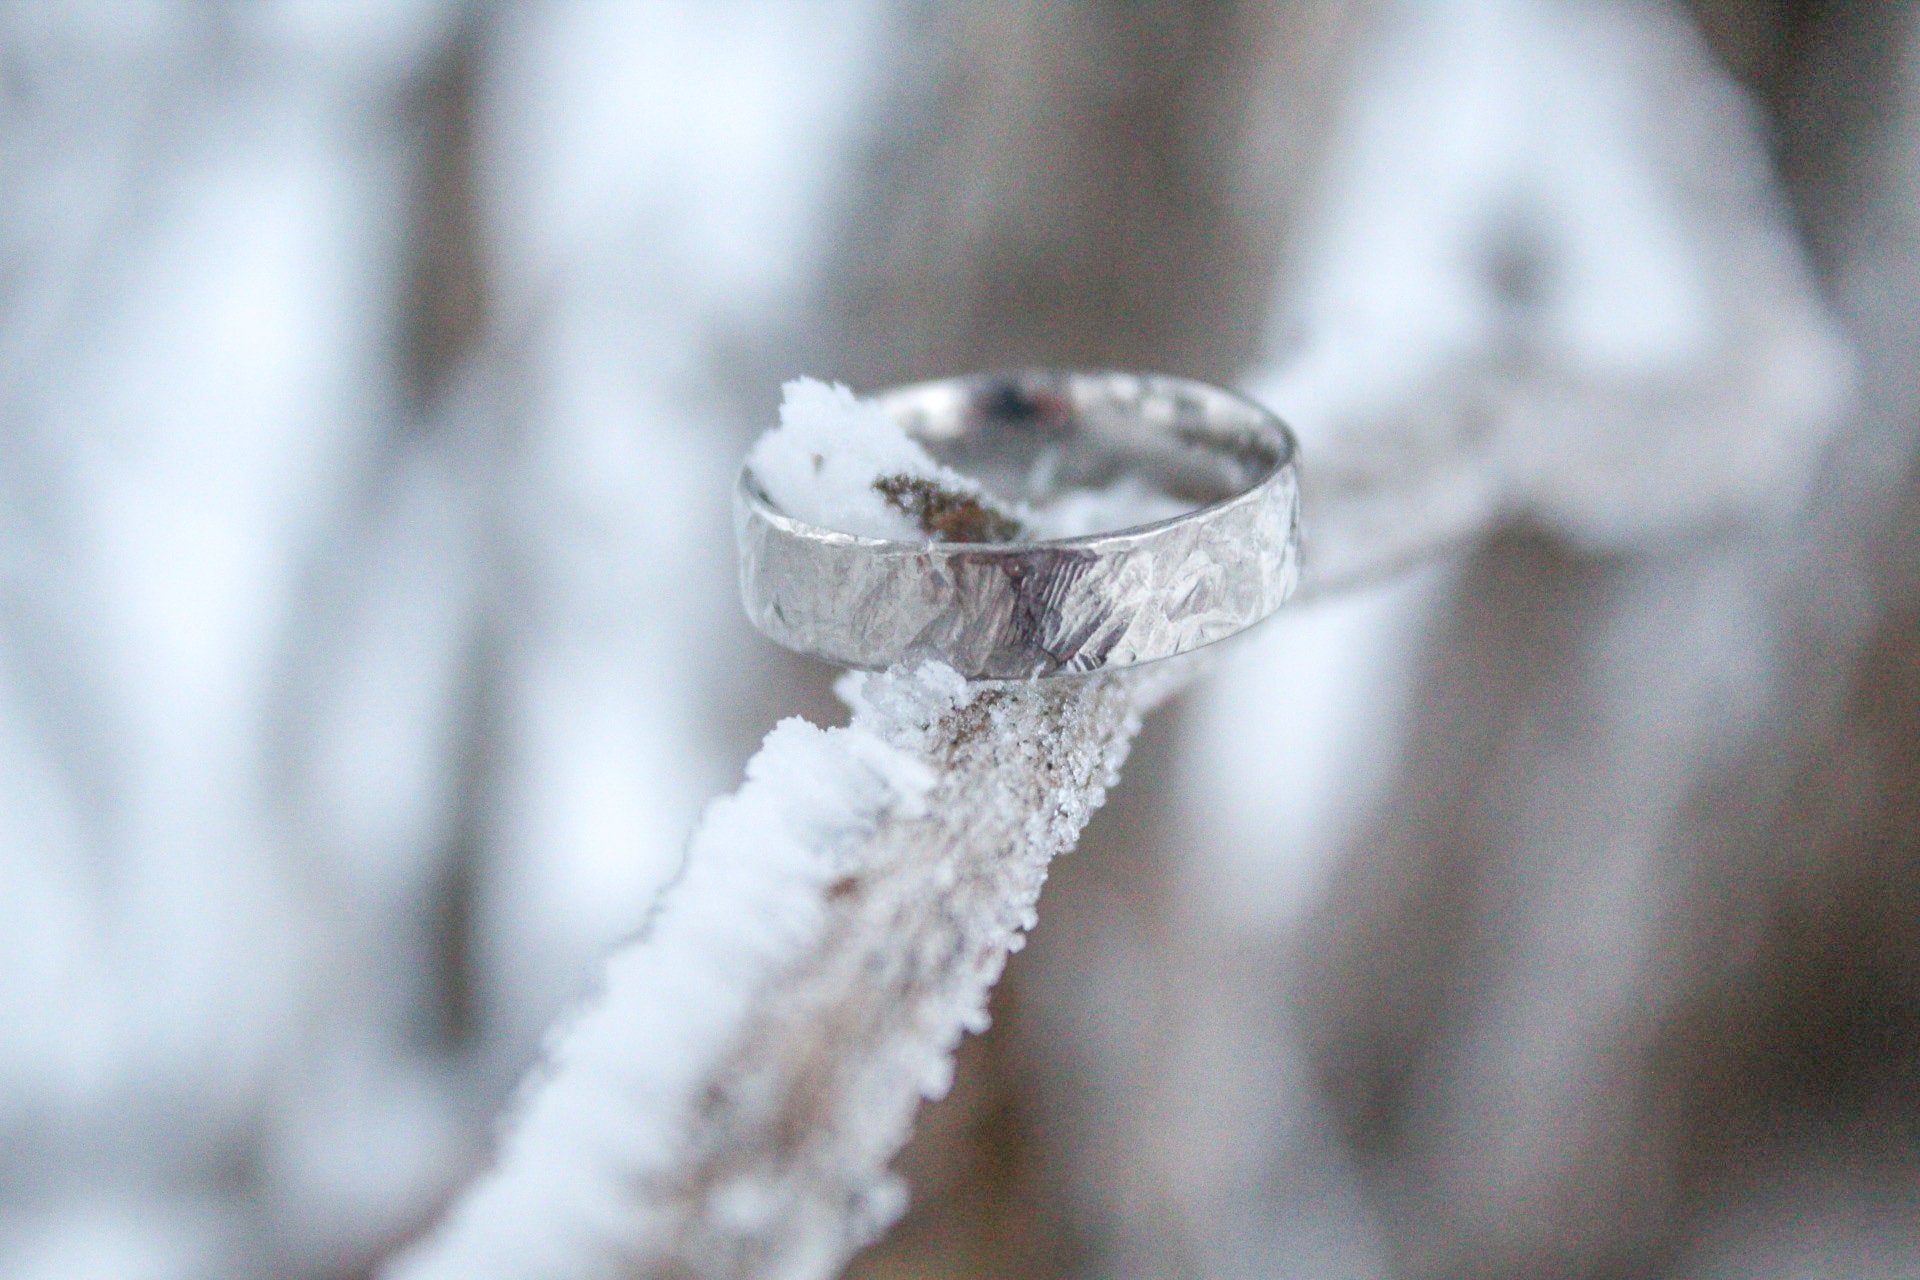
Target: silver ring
1018, 610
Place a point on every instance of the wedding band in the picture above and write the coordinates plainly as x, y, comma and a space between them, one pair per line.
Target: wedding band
1018, 610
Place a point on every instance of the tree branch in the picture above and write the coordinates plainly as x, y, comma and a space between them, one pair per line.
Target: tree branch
729, 1104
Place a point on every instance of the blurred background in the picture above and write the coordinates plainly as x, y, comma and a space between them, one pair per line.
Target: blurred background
1540, 903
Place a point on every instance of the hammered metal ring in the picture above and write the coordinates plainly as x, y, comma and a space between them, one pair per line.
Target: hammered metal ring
1064, 606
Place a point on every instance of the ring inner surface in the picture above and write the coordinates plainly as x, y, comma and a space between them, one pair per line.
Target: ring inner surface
1153, 446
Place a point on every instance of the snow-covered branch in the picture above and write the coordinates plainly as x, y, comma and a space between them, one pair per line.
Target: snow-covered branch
729, 1104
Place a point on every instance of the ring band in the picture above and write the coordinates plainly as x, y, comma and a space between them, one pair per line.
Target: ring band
1018, 610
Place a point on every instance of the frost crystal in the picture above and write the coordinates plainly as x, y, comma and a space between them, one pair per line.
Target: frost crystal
729, 1104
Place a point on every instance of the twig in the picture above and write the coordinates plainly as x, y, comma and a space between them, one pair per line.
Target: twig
730, 1104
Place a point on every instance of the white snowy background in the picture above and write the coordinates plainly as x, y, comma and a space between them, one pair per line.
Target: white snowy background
1536, 899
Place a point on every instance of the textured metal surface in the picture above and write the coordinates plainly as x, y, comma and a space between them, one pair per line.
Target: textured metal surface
1067, 606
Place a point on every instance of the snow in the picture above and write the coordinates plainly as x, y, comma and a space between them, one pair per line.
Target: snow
619, 1108
820, 463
